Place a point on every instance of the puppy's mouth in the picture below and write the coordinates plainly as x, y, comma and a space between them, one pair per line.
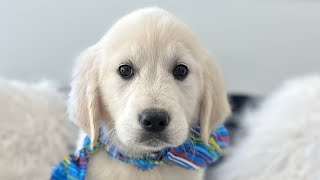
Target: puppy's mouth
154, 140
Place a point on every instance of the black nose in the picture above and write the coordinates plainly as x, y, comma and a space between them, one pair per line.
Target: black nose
154, 120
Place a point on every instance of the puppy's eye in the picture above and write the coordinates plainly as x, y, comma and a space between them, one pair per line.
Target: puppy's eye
180, 72
125, 71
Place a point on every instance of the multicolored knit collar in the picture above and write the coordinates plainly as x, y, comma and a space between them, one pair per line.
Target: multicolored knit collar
193, 154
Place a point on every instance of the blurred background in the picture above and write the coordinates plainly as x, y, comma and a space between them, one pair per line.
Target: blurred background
257, 43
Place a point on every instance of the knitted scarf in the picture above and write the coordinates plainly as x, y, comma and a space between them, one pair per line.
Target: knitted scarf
193, 154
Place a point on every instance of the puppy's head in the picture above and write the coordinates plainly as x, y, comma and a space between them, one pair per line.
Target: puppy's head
147, 82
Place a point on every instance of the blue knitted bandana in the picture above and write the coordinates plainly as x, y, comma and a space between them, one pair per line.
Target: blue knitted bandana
193, 154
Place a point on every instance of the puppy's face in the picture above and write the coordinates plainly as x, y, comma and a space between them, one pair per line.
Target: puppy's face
145, 84
151, 87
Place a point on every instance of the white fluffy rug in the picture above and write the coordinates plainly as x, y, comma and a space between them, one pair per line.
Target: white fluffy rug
34, 130
282, 139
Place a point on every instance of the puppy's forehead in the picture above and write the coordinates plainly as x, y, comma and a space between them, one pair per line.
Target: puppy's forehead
151, 34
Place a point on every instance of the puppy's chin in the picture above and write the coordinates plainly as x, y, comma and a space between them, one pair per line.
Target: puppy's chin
152, 145
146, 143
153, 141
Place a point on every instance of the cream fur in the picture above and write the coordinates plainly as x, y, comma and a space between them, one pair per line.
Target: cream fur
34, 130
153, 41
283, 138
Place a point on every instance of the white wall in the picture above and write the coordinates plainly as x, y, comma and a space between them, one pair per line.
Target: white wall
257, 43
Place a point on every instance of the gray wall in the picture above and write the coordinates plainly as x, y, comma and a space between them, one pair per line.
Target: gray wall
257, 43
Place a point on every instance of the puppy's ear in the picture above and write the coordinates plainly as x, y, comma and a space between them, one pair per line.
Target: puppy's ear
84, 105
214, 103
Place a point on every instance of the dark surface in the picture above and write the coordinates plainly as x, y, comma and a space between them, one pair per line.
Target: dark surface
239, 103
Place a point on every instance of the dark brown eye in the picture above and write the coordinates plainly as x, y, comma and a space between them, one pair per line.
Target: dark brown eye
180, 72
125, 71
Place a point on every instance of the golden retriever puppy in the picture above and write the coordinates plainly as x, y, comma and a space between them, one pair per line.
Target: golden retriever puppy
146, 84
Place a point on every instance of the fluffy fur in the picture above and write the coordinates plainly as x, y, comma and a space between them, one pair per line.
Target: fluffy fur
282, 139
153, 41
34, 130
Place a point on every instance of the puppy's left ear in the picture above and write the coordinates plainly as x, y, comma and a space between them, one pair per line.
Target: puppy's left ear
214, 103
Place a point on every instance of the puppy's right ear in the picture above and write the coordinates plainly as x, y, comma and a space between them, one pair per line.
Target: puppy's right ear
84, 105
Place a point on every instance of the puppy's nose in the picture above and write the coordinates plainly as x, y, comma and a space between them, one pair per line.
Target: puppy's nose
154, 120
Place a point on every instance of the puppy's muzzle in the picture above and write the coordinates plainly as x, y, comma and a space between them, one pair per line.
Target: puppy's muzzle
154, 120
